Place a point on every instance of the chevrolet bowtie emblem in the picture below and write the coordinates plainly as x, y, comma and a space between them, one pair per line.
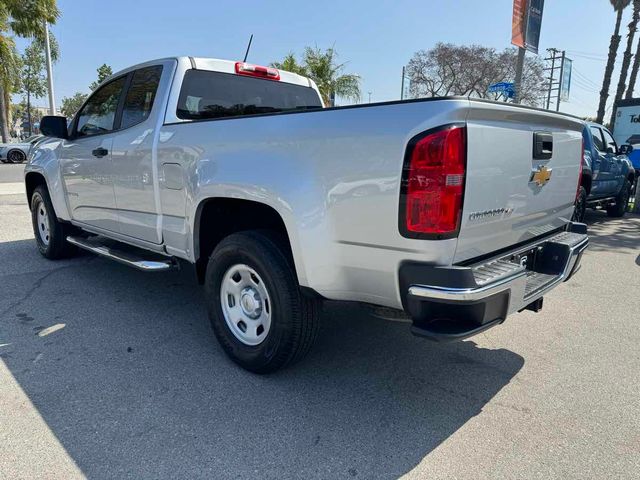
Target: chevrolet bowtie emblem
540, 176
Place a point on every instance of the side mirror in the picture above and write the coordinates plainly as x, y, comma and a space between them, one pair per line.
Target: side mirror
54, 126
625, 149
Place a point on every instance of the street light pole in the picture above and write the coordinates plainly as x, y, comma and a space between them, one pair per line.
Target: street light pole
47, 47
518, 79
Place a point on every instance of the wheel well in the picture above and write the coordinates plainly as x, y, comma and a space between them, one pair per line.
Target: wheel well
586, 183
32, 180
218, 218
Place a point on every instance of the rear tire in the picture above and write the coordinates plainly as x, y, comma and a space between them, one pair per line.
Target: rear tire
580, 206
16, 156
251, 286
51, 234
622, 201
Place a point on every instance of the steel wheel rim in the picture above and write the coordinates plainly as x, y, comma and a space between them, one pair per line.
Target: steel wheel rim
43, 222
246, 304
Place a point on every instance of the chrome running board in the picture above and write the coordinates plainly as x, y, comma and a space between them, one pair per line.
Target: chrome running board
130, 256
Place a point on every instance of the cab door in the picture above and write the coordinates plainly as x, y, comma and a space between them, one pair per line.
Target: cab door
135, 172
615, 163
85, 158
600, 164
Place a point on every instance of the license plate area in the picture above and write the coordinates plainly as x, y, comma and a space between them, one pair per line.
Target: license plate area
528, 258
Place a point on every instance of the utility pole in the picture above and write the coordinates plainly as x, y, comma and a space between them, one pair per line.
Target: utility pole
370, 96
554, 88
402, 86
518, 79
47, 47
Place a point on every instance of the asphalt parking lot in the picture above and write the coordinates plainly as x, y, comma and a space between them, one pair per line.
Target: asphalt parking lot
107, 372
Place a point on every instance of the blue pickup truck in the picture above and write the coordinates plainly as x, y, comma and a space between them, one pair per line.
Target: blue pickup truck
607, 173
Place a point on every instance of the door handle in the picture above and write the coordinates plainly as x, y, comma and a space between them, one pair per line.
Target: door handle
100, 152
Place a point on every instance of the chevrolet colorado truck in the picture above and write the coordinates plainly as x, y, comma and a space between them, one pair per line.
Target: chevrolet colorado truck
607, 173
454, 210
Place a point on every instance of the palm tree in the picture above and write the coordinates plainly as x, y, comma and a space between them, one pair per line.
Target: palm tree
322, 68
25, 19
327, 74
634, 73
290, 64
618, 6
626, 59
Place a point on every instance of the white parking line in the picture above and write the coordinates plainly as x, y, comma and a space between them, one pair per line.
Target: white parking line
12, 188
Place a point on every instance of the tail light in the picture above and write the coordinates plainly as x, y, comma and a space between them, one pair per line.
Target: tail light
257, 71
433, 183
580, 171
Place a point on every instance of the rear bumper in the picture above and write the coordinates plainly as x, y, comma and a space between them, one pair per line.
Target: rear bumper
453, 303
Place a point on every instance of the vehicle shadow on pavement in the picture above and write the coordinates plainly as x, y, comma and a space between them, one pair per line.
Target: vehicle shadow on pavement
134, 383
606, 233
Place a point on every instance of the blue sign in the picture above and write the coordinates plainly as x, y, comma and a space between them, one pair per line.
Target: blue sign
506, 88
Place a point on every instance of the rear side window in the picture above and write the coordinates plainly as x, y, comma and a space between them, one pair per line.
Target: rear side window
140, 96
207, 94
597, 139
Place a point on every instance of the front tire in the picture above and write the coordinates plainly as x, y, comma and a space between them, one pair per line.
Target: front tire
580, 206
50, 233
257, 311
622, 201
16, 156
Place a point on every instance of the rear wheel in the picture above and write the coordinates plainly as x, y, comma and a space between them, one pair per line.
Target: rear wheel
256, 308
622, 200
16, 156
580, 205
50, 233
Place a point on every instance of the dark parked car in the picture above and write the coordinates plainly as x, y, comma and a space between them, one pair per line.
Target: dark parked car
607, 173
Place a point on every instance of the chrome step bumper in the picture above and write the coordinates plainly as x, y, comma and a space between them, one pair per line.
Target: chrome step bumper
458, 302
130, 256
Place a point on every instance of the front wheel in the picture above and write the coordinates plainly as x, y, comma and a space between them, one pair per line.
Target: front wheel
580, 206
256, 308
50, 233
622, 201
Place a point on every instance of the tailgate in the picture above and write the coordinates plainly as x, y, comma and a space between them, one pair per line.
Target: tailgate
513, 194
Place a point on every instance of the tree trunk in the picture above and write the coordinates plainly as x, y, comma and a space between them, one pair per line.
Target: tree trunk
634, 73
4, 123
29, 112
626, 59
608, 71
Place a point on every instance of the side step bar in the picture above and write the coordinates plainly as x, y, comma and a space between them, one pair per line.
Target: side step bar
124, 255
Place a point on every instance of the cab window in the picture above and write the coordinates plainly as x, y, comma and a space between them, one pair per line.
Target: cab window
99, 113
609, 143
597, 139
140, 96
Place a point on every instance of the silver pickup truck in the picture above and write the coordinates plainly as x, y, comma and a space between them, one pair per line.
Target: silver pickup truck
455, 211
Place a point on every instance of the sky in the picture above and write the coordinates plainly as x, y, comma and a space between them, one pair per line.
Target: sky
375, 38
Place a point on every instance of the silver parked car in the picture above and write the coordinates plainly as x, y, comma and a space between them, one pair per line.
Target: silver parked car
18, 152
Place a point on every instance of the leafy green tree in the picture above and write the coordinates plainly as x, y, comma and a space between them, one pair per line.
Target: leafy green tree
618, 7
33, 79
24, 18
322, 67
104, 71
70, 105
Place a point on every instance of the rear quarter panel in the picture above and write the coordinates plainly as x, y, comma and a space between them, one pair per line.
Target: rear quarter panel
332, 175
